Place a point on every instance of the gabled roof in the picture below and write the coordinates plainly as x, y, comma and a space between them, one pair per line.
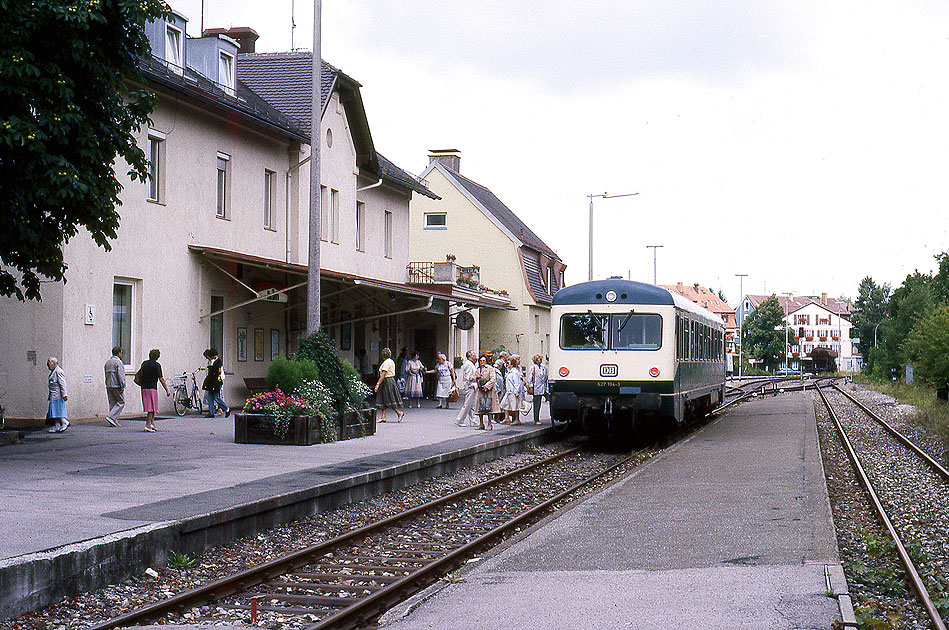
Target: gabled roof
796, 303
196, 87
703, 296
286, 81
496, 208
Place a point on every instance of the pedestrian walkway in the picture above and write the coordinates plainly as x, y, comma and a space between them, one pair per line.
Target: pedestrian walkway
96, 498
730, 529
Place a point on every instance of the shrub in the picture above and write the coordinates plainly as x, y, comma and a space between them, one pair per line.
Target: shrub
332, 373
357, 391
927, 346
289, 374
319, 399
279, 405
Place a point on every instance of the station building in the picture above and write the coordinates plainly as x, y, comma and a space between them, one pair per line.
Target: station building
212, 250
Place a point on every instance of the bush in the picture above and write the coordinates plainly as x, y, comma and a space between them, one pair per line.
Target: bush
289, 374
332, 372
927, 347
358, 392
319, 399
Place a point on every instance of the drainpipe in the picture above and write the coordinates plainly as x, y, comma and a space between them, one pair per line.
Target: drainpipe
376, 185
287, 204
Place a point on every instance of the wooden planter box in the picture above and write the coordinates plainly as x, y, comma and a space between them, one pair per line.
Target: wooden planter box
250, 428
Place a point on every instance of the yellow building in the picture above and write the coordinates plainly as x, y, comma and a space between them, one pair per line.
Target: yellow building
471, 224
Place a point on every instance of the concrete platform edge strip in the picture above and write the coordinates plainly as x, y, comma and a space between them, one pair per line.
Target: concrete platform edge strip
36, 580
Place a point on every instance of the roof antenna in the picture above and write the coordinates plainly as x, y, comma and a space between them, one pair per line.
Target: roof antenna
293, 22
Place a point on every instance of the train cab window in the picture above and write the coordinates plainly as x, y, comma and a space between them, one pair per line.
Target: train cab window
636, 331
584, 331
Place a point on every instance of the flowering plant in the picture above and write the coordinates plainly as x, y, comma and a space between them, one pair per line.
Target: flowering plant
281, 406
450, 257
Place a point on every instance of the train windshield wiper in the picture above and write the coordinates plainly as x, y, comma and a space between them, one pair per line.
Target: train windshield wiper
626, 320
603, 321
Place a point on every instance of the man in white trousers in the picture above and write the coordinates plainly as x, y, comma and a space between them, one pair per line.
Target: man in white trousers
467, 389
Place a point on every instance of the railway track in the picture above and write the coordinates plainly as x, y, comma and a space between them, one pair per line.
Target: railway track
348, 581
903, 483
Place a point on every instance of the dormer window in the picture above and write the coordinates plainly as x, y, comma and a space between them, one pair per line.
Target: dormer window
174, 52
225, 73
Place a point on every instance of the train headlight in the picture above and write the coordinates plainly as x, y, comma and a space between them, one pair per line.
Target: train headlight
654, 372
564, 371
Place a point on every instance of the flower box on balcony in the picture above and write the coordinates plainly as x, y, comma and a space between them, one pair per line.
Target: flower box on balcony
809, 337
823, 338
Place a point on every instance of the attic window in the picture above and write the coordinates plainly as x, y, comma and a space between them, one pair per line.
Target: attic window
436, 221
225, 73
174, 53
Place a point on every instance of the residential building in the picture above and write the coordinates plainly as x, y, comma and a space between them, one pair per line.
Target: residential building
819, 322
470, 224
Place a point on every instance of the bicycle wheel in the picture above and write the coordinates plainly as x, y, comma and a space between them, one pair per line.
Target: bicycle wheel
181, 401
196, 402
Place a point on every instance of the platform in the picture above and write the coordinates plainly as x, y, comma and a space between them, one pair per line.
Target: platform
728, 529
90, 506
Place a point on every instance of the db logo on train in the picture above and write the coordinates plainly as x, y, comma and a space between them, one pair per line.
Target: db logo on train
609, 370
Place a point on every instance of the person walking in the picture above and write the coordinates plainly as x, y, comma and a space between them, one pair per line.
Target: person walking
57, 396
467, 390
149, 375
389, 397
513, 386
413, 385
537, 384
115, 385
364, 365
486, 402
446, 380
213, 383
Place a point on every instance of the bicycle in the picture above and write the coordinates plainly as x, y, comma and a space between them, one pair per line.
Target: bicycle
183, 399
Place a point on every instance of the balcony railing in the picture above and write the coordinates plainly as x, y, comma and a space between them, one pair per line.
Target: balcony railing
444, 273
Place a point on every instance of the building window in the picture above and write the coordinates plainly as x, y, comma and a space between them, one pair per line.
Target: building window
174, 53
268, 199
156, 167
436, 221
334, 215
324, 213
216, 338
225, 73
360, 226
223, 190
388, 234
122, 318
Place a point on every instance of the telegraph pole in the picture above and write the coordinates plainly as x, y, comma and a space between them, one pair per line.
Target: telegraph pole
741, 324
654, 248
313, 262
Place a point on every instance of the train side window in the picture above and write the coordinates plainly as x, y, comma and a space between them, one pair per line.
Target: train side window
584, 331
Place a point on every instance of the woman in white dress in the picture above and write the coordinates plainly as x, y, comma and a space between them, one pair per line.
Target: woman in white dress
446, 381
413, 382
513, 386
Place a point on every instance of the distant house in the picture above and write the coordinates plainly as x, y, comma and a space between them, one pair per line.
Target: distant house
706, 298
819, 322
470, 223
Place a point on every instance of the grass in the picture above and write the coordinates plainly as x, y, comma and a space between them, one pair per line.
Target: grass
933, 413
180, 560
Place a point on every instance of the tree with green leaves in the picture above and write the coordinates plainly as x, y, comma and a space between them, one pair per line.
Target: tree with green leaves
911, 301
869, 310
67, 112
764, 333
927, 346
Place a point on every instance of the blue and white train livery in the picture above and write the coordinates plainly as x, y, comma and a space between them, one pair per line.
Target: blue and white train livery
625, 349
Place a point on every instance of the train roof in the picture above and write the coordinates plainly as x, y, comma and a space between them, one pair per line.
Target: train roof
627, 292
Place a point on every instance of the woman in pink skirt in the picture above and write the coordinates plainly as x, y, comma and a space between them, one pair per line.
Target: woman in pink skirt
149, 377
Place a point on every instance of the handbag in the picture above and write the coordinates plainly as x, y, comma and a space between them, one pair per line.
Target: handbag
453, 396
401, 385
137, 379
484, 405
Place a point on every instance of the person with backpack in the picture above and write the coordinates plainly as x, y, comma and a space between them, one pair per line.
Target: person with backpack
213, 383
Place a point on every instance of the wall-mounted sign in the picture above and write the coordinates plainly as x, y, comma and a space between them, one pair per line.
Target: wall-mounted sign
90, 314
271, 295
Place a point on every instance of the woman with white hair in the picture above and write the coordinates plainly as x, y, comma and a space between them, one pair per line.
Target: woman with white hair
446, 380
57, 396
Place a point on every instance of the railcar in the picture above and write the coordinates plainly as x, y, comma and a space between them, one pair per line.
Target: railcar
625, 351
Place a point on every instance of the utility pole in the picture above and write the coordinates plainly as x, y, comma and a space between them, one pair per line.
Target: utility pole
603, 196
654, 248
316, 115
741, 323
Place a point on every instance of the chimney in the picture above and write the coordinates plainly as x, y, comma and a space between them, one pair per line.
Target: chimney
680, 287
245, 36
823, 299
449, 158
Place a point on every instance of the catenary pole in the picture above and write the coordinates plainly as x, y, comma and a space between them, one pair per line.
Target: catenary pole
313, 262
741, 323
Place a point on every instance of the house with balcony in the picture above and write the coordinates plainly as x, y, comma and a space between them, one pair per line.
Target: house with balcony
470, 225
212, 250
820, 323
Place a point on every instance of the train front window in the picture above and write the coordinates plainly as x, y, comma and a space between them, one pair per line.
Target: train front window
636, 331
584, 331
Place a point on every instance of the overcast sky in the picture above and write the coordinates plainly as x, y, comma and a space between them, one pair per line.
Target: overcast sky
805, 144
